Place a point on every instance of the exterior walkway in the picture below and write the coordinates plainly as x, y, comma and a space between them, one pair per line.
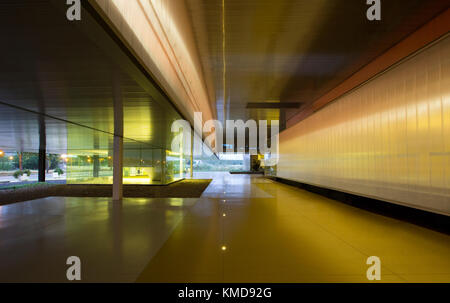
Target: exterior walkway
243, 229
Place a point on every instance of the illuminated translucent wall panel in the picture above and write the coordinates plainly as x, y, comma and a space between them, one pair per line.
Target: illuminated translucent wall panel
388, 139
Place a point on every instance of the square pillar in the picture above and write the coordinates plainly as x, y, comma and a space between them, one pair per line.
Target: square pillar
192, 155
118, 142
96, 158
163, 166
118, 168
42, 149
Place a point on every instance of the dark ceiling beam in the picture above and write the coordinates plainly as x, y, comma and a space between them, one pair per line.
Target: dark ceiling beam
273, 105
425, 35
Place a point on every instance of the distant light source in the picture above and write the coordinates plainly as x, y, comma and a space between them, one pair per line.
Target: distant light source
2, 153
224, 247
11, 158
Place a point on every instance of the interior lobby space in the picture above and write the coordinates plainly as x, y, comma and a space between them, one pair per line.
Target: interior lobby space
254, 141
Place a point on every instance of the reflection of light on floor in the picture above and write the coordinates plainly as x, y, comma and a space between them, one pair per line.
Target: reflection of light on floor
137, 180
176, 202
139, 201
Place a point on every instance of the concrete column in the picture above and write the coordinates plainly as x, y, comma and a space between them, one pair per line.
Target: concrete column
163, 150
96, 166
42, 149
163, 166
19, 155
247, 166
118, 144
192, 155
96, 158
118, 169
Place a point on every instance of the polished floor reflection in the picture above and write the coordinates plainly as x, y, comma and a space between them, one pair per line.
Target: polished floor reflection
243, 229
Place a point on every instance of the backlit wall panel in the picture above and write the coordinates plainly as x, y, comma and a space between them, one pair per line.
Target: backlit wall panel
388, 139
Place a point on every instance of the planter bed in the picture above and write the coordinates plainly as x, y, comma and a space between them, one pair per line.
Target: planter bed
183, 189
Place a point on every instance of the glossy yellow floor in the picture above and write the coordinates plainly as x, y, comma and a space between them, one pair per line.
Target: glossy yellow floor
243, 229
276, 233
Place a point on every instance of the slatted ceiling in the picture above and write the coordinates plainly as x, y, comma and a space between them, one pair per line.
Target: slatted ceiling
294, 50
50, 65
276, 50
273, 105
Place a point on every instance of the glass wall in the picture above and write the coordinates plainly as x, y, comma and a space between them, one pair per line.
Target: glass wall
89, 160
224, 162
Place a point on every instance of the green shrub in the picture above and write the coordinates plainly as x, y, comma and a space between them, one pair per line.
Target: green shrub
17, 174
59, 171
6, 164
